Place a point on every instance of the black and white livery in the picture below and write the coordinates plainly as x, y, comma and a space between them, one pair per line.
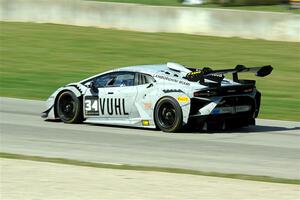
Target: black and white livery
164, 96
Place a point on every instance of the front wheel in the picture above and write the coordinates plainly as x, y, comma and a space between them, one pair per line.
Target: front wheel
168, 115
69, 108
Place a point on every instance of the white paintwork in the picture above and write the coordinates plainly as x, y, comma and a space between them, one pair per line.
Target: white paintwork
177, 67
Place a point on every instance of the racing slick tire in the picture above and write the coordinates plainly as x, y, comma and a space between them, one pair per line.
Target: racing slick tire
69, 108
168, 115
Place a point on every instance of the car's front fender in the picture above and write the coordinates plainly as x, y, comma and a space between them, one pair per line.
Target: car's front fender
49, 112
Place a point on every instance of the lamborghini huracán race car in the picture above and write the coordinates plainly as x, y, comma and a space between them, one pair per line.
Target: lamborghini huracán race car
164, 96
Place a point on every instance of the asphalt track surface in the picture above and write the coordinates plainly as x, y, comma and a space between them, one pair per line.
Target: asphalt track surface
271, 148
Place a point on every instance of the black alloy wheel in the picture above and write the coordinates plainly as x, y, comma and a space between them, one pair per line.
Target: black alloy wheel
168, 115
69, 108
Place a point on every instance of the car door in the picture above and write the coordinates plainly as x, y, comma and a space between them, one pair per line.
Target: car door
146, 97
114, 98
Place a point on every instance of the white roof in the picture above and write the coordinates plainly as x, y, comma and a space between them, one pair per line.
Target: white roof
152, 69
172, 68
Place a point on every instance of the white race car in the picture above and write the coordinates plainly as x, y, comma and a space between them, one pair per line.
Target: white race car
164, 96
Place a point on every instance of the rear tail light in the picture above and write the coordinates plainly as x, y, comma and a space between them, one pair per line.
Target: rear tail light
248, 90
206, 93
223, 91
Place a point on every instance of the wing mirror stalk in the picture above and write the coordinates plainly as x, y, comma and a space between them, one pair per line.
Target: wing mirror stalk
150, 85
93, 87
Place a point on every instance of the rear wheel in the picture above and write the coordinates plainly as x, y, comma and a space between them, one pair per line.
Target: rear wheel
168, 115
69, 108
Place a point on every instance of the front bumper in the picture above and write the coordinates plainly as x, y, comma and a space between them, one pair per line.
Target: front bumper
49, 114
45, 114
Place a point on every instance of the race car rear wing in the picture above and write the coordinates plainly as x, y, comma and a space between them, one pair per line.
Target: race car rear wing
199, 75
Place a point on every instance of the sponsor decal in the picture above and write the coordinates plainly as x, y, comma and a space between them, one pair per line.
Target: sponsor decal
194, 73
171, 79
183, 98
147, 105
104, 106
145, 122
217, 75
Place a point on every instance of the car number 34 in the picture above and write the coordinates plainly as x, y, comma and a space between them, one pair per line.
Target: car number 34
91, 106
104, 106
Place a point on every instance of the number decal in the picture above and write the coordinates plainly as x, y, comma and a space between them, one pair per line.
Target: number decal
95, 105
91, 105
88, 105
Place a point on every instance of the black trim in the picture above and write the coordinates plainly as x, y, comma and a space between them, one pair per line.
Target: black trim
197, 104
75, 85
257, 103
217, 122
224, 91
227, 120
143, 78
172, 90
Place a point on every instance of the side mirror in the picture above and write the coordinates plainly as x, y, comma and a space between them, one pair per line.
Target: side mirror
93, 87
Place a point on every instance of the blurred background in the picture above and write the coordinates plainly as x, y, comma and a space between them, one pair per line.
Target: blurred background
271, 5
45, 44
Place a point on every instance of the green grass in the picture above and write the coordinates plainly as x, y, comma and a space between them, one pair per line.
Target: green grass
269, 8
35, 59
151, 169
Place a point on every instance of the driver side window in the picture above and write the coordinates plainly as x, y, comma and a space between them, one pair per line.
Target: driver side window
101, 81
115, 79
